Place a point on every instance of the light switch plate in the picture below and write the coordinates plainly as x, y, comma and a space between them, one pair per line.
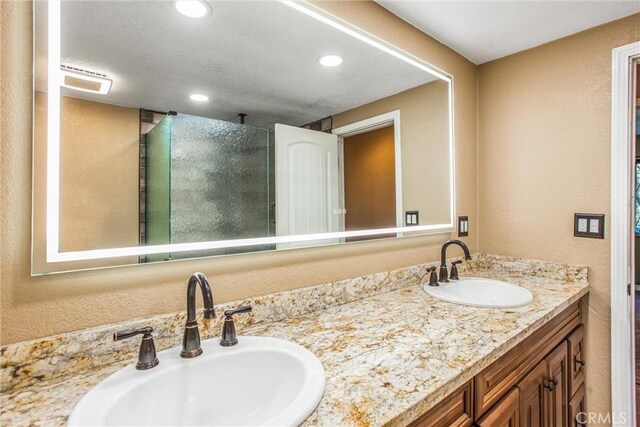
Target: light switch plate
463, 226
411, 218
588, 225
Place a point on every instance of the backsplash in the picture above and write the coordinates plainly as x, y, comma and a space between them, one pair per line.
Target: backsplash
70, 353
29, 362
526, 266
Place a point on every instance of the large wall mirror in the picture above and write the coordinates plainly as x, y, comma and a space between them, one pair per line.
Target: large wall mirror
167, 130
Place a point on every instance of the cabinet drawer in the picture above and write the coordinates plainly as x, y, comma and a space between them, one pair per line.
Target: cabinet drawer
576, 359
453, 410
576, 406
499, 377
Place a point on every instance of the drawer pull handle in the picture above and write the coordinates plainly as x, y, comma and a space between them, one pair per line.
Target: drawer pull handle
580, 362
551, 385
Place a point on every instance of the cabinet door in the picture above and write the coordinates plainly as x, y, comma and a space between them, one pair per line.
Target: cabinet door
556, 386
532, 397
576, 406
505, 413
453, 411
500, 377
576, 359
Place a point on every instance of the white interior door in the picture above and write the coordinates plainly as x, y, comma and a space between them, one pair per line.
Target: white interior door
306, 183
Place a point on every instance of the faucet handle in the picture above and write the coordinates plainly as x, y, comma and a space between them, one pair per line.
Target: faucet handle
454, 270
239, 310
147, 357
229, 337
433, 277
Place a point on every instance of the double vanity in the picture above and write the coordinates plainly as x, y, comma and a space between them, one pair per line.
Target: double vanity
146, 160
373, 350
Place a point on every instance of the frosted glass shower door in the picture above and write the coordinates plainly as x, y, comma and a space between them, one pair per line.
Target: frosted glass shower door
207, 180
219, 183
158, 187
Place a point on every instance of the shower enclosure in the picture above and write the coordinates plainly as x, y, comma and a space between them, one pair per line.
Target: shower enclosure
206, 180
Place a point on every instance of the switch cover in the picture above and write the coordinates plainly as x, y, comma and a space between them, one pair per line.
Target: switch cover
463, 226
588, 225
411, 218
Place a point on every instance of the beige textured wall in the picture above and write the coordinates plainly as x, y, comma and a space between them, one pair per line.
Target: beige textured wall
543, 154
38, 306
424, 132
99, 181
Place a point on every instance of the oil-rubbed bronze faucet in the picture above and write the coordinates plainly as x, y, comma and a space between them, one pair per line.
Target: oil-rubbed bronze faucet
147, 358
454, 270
433, 277
229, 337
443, 258
191, 339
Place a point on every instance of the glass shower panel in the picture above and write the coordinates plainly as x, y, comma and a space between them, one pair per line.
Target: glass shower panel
220, 183
158, 187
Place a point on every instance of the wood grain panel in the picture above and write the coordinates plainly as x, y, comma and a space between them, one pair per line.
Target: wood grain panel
576, 406
558, 395
533, 397
576, 359
499, 377
455, 410
506, 413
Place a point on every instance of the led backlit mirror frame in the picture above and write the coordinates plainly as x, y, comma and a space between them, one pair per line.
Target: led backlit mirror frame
53, 254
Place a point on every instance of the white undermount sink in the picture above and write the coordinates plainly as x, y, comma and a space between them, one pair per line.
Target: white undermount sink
479, 292
260, 381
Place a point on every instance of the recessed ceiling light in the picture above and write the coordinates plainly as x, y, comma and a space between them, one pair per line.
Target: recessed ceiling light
193, 8
330, 60
198, 97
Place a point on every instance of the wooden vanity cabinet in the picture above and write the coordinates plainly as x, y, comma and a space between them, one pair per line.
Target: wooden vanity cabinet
544, 397
502, 375
538, 383
455, 410
532, 397
556, 387
576, 406
505, 413
576, 359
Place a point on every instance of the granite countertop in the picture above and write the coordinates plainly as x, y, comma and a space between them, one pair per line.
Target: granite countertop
388, 358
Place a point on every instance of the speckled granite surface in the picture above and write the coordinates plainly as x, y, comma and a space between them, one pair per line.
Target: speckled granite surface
389, 350
30, 362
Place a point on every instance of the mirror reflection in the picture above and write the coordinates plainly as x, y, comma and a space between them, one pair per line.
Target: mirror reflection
253, 120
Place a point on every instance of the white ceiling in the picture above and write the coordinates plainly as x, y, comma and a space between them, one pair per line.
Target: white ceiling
259, 58
482, 31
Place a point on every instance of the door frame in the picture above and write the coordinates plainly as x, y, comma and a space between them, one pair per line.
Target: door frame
378, 122
622, 250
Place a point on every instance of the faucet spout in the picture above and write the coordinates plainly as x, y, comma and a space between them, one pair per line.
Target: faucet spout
443, 252
207, 297
191, 339
443, 257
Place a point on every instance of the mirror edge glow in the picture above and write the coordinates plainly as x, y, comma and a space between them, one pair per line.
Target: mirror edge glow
53, 130
53, 254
